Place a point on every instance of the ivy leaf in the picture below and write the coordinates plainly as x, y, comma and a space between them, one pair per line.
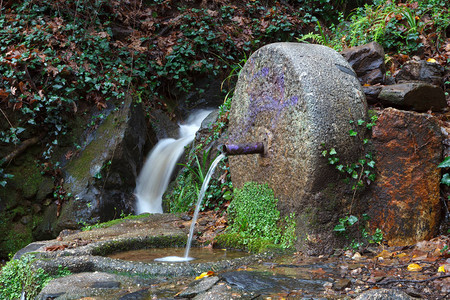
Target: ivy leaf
333, 151
360, 122
371, 164
352, 132
333, 160
339, 228
445, 163
446, 179
227, 195
352, 220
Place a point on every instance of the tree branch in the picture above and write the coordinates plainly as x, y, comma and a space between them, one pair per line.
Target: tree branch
25, 144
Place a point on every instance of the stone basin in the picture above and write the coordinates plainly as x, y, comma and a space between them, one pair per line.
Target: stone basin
87, 251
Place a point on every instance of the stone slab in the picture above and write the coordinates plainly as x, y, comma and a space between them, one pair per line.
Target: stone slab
404, 199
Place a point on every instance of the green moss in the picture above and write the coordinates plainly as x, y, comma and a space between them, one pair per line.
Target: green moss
114, 222
16, 236
80, 168
25, 184
237, 241
255, 222
26, 181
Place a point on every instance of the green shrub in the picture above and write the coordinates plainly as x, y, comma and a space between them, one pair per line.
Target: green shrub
18, 276
255, 221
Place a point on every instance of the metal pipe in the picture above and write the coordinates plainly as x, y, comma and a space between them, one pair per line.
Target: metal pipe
239, 149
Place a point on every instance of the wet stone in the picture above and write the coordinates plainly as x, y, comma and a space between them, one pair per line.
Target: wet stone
368, 62
138, 295
416, 96
383, 294
86, 284
105, 285
217, 292
422, 71
341, 284
198, 286
262, 282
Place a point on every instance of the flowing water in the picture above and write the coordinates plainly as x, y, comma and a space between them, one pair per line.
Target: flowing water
155, 175
194, 218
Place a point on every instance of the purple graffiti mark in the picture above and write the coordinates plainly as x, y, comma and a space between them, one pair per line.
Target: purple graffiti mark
268, 103
266, 91
262, 73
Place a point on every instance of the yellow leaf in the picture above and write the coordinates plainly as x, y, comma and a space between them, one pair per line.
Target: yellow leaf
385, 254
441, 269
204, 274
431, 60
414, 267
400, 255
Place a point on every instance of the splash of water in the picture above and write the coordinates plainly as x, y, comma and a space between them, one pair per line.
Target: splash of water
201, 195
154, 178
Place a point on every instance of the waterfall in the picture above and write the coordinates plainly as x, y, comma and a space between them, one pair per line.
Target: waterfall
154, 178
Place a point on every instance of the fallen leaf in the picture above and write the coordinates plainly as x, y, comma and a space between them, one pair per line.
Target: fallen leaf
431, 60
414, 267
384, 254
56, 247
400, 255
205, 274
441, 269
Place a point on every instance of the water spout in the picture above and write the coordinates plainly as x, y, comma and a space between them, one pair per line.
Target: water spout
199, 201
195, 217
239, 149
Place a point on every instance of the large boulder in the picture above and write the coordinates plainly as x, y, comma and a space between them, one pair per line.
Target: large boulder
102, 177
298, 99
404, 200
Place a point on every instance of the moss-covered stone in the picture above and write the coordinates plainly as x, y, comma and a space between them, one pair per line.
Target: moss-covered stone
16, 235
114, 246
26, 181
23, 192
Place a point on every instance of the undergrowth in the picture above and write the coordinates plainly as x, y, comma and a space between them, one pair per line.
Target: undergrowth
20, 280
254, 220
401, 27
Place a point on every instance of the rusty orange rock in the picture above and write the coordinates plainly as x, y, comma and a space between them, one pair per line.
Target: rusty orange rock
405, 201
